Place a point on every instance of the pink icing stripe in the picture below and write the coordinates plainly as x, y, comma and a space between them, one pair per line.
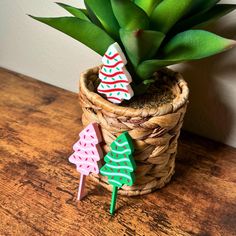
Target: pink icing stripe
113, 66
112, 57
113, 90
115, 82
112, 75
113, 98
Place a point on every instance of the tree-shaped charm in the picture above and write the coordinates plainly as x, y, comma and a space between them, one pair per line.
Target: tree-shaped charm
115, 79
120, 165
87, 153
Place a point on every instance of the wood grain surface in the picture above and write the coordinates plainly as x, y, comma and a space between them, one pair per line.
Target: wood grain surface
39, 124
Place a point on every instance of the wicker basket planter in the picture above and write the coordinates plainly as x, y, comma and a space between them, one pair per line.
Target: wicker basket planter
154, 129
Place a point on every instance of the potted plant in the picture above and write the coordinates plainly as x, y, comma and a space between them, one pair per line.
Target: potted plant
152, 34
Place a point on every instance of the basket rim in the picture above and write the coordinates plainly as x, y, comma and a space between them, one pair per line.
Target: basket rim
101, 103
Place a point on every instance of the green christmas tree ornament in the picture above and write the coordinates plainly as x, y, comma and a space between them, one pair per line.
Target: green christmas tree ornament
120, 165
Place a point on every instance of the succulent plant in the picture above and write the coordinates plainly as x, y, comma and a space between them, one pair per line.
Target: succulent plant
152, 33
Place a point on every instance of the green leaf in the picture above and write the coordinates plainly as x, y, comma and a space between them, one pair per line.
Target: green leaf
129, 15
167, 13
140, 44
147, 5
195, 44
79, 13
186, 46
102, 10
82, 31
201, 6
85, 12
146, 69
204, 18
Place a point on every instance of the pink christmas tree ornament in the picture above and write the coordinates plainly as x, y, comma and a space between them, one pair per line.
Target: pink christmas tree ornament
87, 154
115, 79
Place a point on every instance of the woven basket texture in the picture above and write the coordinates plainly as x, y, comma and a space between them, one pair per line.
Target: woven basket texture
154, 130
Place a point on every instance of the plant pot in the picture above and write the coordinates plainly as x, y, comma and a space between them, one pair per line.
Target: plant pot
154, 129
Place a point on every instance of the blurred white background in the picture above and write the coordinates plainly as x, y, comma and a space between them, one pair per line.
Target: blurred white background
36, 50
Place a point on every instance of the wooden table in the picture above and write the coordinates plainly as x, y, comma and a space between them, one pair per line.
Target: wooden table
38, 186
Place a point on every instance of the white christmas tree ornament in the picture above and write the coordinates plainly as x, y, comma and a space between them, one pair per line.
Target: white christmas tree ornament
115, 79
